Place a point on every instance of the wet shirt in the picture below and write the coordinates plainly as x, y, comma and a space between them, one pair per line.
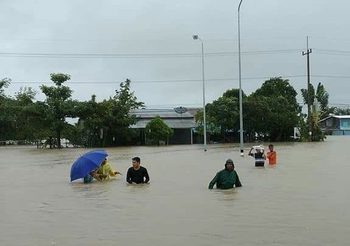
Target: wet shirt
88, 179
137, 176
107, 170
271, 156
259, 158
225, 180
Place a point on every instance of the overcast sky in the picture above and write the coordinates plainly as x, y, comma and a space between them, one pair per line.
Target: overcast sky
101, 43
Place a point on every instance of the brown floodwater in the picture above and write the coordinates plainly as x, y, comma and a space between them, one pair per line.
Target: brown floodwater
303, 200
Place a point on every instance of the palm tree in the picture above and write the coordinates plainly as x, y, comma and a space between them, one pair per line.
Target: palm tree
319, 107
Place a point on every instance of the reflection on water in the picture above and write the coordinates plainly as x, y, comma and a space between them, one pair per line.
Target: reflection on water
302, 200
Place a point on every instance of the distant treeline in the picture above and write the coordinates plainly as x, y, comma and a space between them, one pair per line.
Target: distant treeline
270, 113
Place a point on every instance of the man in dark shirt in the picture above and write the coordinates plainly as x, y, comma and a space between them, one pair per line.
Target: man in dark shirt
137, 174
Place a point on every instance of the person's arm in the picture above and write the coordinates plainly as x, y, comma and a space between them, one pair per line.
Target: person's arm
213, 182
97, 176
146, 176
268, 155
238, 182
113, 173
128, 176
110, 170
250, 152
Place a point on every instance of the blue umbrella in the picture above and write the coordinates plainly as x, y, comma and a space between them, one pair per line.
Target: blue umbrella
87, 163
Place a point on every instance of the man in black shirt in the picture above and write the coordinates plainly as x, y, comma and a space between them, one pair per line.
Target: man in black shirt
137, 174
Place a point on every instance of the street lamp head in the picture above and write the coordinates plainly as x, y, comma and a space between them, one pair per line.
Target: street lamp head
195, 37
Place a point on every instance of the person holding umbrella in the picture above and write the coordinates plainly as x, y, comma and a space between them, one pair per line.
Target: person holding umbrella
105, 172
91, 176
87, 165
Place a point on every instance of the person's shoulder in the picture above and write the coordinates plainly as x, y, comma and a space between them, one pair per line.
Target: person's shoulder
143, 168
221, 171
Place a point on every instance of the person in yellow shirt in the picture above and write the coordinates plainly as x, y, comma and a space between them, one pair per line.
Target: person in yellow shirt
271, 155
106, 171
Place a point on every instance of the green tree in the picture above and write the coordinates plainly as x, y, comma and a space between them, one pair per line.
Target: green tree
7, 119
157, 130
118, 119
4, 83
107, 123
213, 130
319, 98
339, 111
90, 128
257, 115
276, 87
223, 114
318, 101
272, 110
26, 115
57, 103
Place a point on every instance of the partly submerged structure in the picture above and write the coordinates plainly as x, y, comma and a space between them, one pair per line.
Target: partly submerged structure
336, 125
179, 119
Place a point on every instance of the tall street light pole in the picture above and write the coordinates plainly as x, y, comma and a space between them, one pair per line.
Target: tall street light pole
240, 83
196, 37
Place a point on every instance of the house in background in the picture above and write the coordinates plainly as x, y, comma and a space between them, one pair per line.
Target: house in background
179, 119
336, 125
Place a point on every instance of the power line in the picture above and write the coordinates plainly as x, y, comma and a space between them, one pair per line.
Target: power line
163, 55
333, 52
149, 81
139, 55
187, 80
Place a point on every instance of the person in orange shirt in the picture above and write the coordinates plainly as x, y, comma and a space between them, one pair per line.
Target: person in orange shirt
271, 155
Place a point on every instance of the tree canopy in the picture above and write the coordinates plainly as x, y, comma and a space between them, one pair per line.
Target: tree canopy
271, 112
57, 104
156, 131
278, 112
317, 100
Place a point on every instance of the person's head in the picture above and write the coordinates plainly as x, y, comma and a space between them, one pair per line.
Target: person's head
229, 166
104, 162
271, 147
136, 162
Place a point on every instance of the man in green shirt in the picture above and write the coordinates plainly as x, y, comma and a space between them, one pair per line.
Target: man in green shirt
226, 178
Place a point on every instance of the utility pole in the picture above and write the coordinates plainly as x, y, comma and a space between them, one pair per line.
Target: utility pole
307, 53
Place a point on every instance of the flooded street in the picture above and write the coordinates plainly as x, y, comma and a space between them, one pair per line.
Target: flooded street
303, 200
